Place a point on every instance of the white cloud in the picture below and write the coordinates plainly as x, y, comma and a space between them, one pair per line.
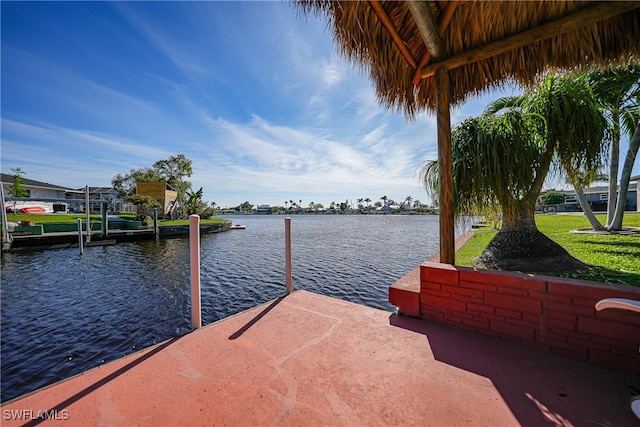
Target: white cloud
331, 74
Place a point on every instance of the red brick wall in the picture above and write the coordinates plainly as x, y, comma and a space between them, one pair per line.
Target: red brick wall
555, 314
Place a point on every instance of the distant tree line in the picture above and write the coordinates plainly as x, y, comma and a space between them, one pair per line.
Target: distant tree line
296, 207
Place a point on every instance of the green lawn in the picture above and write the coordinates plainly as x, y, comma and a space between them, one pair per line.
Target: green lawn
614, 258
49, 218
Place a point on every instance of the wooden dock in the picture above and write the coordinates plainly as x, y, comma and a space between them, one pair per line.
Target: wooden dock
307, 359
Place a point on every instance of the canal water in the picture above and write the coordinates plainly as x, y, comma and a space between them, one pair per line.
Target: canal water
63, 313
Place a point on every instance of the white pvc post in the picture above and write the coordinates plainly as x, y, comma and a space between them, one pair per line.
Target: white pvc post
80, 236
194, 256
287, 251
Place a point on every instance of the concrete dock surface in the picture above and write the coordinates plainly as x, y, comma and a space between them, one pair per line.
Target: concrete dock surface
307, 359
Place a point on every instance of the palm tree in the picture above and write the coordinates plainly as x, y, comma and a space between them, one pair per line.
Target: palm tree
408, 201
618, 90
581, 180
581, 171
634, 145
194, 199
384, 199
500, 161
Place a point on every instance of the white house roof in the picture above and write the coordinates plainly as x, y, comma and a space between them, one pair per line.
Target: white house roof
8, 180
94, 190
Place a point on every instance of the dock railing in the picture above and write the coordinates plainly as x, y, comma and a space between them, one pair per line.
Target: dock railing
194, 264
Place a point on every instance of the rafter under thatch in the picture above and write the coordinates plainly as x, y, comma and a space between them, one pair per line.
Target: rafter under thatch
444, 20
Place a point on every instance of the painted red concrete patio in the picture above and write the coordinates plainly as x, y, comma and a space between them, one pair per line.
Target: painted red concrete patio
307, 359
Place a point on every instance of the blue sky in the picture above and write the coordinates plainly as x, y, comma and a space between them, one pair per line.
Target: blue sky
253, 93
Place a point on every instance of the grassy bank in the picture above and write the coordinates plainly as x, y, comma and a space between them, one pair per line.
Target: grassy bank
51, 218
614, 258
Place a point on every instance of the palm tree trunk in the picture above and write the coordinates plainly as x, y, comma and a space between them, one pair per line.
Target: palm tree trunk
614, 163
634, 145
588, 212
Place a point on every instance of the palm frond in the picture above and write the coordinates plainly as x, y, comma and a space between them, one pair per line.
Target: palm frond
503, 103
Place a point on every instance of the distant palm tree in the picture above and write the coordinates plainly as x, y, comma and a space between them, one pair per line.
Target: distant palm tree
384, 199
408, 201
368, 202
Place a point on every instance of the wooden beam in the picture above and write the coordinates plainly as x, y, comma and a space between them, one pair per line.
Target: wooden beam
421, 12
443, 22
445, 164
386, 22
582, 18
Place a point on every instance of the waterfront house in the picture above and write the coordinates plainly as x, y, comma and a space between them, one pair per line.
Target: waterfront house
115, 203
70, 199
387, 209
263, 210
39, 192
598, 197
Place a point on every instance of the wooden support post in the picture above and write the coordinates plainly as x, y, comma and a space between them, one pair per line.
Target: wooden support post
80, 236
105, 220
287, 251
194, 263
88, 212
156, 230
445, 163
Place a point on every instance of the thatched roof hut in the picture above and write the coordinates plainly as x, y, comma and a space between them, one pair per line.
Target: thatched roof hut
430, 55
